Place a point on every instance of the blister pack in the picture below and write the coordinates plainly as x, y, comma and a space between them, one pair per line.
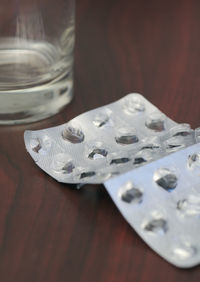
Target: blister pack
148, 163
107, 141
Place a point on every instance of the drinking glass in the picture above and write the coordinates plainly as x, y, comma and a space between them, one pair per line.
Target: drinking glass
36, 58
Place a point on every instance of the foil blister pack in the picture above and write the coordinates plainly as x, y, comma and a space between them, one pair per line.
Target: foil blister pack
147, 162
161, 201
107, 141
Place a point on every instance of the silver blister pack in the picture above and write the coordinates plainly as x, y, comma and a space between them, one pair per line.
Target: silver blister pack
147, 162
161, 201
107, 141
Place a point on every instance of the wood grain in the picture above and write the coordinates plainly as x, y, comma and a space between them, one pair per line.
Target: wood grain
51, 232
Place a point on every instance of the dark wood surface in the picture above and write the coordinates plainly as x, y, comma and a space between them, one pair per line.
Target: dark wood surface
50, 232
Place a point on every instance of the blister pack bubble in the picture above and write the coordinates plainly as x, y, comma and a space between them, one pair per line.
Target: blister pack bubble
107, 141
161, 201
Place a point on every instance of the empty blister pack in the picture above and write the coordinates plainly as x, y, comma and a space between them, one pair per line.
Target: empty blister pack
133, 149
107, 141
161, 201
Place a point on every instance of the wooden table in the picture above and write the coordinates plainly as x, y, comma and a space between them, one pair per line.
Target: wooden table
50, 232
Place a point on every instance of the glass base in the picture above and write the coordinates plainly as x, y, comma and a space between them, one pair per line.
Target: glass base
36, 103
36, 80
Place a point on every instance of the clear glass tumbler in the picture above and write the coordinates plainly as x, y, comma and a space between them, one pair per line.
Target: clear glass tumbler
36, 58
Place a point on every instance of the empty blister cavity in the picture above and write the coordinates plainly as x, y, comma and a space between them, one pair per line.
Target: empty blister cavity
87, 174
139, 160
133, 104
103, 119
121, 160
150, 150
166, 179
142, 157
193, 161
151, 143
62, 164
174, 143
190, 206
41, 145
68, 168
35, 145
183, 251
182, 130
97, 152
157, 226
130, 194
73, 134
126, 136
127, 139
155, 223
156, 122
180, 136
150, 147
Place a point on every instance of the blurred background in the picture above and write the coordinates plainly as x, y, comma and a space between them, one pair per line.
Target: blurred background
151, 47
